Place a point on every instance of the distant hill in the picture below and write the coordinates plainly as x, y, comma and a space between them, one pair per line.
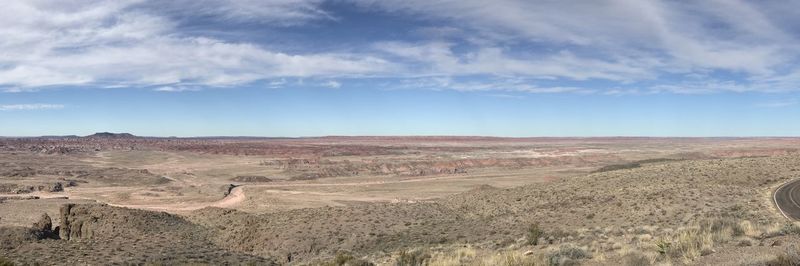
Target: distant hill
108, 135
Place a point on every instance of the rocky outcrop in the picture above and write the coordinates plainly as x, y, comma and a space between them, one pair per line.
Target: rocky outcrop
64, 229
103, 222
229, 188
43, 228
75, 225
98, 234
251, 178
25, 189
55, 187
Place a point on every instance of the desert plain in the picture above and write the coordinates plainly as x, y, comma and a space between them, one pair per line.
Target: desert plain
121, 199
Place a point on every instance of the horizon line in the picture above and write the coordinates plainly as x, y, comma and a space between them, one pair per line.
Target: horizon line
399, 136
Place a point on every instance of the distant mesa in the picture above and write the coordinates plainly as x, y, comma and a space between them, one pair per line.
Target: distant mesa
108, 135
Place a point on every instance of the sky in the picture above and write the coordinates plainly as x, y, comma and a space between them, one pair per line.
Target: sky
292, 68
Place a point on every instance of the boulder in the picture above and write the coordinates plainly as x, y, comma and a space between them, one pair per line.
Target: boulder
43, 224
56, 187
43, 228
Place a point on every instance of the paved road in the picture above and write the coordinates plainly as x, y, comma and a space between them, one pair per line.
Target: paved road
787, 198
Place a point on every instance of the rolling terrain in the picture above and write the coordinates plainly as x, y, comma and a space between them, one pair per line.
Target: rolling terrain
394, 200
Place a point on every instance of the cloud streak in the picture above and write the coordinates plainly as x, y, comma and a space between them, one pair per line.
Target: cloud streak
778, 104
34, 106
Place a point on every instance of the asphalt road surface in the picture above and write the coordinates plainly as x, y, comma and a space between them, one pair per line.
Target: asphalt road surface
787, 198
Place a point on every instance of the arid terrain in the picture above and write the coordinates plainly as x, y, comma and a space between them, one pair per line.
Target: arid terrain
121, 199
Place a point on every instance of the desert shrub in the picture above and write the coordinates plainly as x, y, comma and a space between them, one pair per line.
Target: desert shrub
636, 259
458, 256
534, 233
413, 258
700, 239
567, 255
723, 228
791, 229
690, 244
5, 262
789, 258
786, 229
510, 258
343, 258
662, 246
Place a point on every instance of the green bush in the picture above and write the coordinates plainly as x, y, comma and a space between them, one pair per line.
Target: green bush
662, 246
534, 233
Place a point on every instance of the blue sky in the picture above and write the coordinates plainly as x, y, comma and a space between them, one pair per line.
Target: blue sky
314, 68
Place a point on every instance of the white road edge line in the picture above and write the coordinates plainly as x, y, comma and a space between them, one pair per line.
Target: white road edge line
775, 198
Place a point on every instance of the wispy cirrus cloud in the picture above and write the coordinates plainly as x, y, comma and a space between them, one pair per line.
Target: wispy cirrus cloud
33, 106
778, 104
633, 46
124, 43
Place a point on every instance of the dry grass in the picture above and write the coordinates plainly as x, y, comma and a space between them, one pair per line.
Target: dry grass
345, 258
417, 257
643, 245
789, 258
511, 258
459, 256
5, 262
568, 255
534, 233
701, 239
470, 256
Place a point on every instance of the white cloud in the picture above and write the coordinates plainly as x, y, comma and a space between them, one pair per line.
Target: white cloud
175, 89
332, 84
115, 43
34, 106
681, 47
612, 40
506, 96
